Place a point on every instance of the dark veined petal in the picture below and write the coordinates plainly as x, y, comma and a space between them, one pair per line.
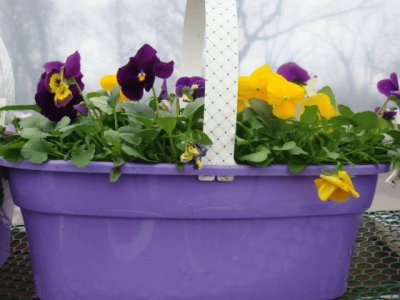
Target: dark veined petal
53, 66
127, 74
293, 72
72, 65
164, 70
199, 93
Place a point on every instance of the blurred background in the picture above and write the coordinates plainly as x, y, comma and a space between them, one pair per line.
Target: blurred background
350, 44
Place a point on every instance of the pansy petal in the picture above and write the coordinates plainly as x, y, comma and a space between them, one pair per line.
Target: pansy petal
108, 82
145, 54
128, 73
199, 93
293, 72
82, 109
394, 80
340, 195
325, 189
285, 110
385, 87
133, 91
53, 66
164, 91
72, 65
164, 70
149, 82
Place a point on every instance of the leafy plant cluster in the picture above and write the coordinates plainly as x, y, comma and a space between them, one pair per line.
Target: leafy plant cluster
349, 138
112, 131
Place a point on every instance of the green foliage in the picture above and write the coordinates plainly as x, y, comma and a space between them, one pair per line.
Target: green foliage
350, 138
113, 131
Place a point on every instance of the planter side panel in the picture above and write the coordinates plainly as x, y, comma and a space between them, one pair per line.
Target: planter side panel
109, 258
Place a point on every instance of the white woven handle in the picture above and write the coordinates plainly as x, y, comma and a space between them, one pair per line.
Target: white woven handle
214, 21
7, 72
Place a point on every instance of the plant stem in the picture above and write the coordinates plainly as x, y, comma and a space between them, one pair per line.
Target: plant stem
177, 107
156, 98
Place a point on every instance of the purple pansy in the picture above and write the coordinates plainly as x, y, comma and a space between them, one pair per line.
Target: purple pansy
388, 114
293, 73
389, 87
141, 71
190, 88
164, 91
10, 130
57, 92
82, 109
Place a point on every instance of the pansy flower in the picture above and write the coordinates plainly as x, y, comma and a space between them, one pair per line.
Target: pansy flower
141, 71
294, 73
324, 104
190, 88
194, 152
389, 87
388, 114
57, 90
338, 187
109, 82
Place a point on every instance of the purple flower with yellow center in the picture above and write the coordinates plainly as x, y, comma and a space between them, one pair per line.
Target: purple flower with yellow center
194, 152
293, 73
141, 71
190, 88
389, 87
388, 114
59, 87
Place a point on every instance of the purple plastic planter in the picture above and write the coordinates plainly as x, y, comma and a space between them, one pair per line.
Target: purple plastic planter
161, 234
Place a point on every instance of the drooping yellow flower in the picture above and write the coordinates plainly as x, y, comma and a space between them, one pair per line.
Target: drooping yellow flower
108, 82
326, 109
338, 188
284, 96
253, 86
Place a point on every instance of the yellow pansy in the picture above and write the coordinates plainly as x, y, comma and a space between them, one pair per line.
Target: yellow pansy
338, 187
326, 109
108, 82
253, 86
284, 96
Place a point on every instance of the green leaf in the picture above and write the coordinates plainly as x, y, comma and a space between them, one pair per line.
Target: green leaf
262, 109
32, 107
131, 138
328, 91
257, 157
310, 115
287, 146
102, 104
12, 152
37, 121
297, 151
148, 135
35, 151
62, 123
198, 137
82, 155
32, 133
112, 137
138, 109
114, 97
367, 120
332, 155
192, 107
345, 111
167, 123
115, 174
296, 168
96, 94
395, 134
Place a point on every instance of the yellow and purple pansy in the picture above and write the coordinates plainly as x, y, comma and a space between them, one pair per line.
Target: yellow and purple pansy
189, 89
59, 88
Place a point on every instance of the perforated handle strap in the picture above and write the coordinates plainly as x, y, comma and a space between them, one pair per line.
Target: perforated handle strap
215, 22
8, 78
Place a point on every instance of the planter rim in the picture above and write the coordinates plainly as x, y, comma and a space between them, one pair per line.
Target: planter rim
170, 169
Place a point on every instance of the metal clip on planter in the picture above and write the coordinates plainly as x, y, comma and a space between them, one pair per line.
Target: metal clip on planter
214, 22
